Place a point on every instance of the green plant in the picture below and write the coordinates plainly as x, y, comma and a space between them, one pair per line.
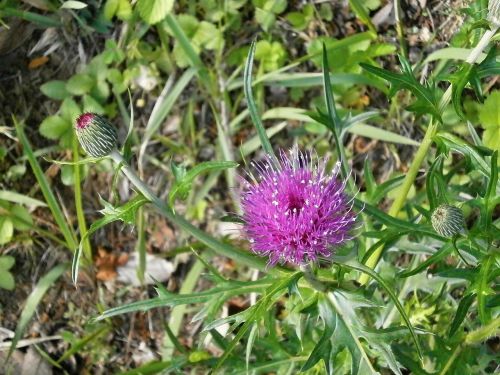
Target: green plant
6, 278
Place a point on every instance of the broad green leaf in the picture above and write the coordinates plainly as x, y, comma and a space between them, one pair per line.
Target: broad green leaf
54, 127
55, 90
7, 280
92, 105
6, 230
153, 11
489, 116
79, 84
6, 262
272, 55
182, 187
208, 36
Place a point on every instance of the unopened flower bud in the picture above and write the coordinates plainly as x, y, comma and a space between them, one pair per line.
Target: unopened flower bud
448, 220
96, 135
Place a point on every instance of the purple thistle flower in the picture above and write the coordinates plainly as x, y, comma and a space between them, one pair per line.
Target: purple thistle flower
295, 212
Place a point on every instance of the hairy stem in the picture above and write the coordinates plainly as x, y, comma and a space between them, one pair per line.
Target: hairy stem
80, 216
165, 210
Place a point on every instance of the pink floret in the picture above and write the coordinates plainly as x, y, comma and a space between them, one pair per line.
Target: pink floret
84, 120
295, 212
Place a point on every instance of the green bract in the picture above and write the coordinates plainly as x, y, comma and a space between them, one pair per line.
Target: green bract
447, 220
96, 135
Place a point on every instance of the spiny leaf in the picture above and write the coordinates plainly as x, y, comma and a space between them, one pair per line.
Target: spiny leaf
125, 213
182, 186
426, 94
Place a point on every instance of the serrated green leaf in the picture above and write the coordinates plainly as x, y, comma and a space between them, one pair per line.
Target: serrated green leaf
153, 11
125, 213
55, 90
182, 187
426, 102
168, 299
79, 84
54, 127
6, 262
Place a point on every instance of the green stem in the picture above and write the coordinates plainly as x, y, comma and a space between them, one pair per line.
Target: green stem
475, 337
311, 278
452, 359
165, 210
399, 27
423, 150
80, 216
482, 333
178, 312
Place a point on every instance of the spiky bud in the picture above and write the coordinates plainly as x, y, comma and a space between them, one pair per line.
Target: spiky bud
96, 135
448, 220
494, 12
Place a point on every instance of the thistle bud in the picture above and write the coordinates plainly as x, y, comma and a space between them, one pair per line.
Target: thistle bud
448, 220
494, 12
96, 135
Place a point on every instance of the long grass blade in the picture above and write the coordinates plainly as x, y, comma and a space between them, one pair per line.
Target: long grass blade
33, 300
247, 86
66, 231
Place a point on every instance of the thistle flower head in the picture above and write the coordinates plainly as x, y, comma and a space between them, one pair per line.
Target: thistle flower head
448, 220
95, 134
295, 211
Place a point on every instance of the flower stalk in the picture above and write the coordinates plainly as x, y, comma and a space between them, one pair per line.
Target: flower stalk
166, 211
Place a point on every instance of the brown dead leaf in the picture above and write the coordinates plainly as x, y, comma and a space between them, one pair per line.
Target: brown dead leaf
38, 62
106, 264
161, 235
